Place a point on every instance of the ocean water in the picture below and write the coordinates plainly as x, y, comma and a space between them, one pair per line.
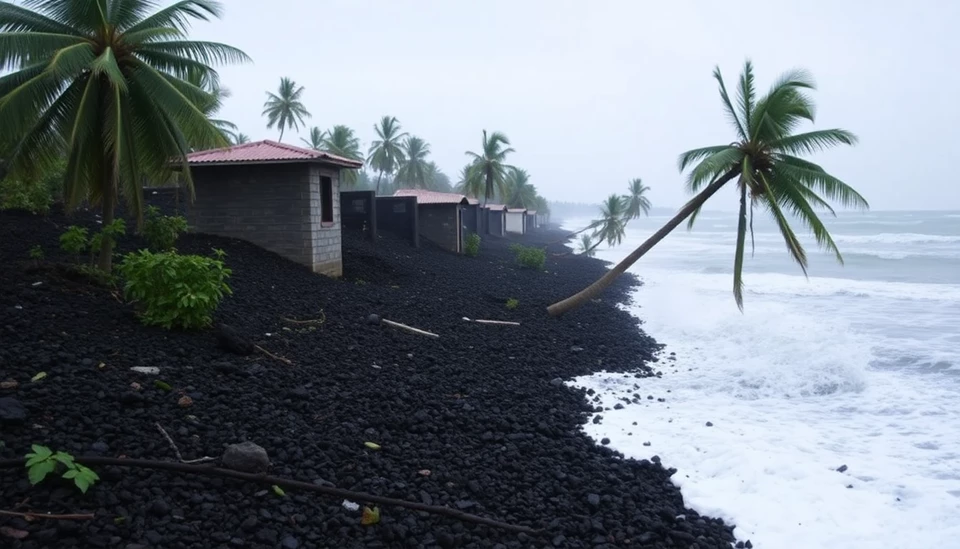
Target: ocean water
856, 366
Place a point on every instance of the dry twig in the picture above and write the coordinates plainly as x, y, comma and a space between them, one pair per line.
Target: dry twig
34, 516
286, 361
176, 450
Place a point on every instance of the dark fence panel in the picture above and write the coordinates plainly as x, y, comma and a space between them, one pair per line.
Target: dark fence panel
358, 212
398, 215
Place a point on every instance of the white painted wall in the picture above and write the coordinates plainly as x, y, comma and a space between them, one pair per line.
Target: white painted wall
515, 222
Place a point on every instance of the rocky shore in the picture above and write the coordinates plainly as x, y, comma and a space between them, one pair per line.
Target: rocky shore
478, 420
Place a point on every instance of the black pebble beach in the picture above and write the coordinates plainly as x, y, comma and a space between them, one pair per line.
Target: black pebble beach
474, 420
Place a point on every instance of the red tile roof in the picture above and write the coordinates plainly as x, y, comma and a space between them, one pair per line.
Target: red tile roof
432, 197
266, 152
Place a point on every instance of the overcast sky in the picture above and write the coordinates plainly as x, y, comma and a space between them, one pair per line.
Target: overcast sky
592, 94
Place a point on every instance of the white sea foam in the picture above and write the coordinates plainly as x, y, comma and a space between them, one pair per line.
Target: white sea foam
815, 374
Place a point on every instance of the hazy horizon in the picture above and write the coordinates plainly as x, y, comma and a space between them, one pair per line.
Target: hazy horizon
591, 98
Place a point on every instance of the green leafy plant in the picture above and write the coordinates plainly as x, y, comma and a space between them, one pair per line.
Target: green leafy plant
162, 231
95, 275
35, 194
110, 232
75, 240
472, 246
529, 257
278, 491
173, 290
43, 461
35, 253
512, 304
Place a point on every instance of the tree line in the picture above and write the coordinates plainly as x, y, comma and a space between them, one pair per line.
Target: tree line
116, 92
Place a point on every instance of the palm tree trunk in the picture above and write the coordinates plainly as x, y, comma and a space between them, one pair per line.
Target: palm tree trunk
105, 261
607, 279
280, 140
378, 183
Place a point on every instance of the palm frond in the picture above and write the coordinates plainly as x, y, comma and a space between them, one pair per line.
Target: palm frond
179, 15
18, 48
818, 180
208, 53
789, 237
728, 106
15, 18
813, 142
713, 166
746, 93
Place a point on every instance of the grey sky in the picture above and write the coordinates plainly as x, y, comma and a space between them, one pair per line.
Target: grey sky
593, 94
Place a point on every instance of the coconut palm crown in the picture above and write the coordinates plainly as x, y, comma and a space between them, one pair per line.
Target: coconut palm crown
285, 109
386, 152
489, 166
104, 84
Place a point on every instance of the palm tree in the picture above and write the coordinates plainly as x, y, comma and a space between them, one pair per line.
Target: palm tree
284, 108
342, 142
587, 246
316, 139
764, 161
385, 153
543, 207
210, 83
436, 179
467, 185
637, 203
241, 138
413, 170
490, 166
520, 193
612, 225
103, 84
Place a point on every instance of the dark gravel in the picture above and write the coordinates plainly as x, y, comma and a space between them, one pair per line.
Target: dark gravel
474, 420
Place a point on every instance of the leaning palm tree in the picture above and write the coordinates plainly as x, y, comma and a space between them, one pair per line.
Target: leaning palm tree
436, 179
637, 202
284, 109
489, 168
342, 142
315, 141
520, 193
413, 170
241, 138
386, 153
612, 225
764, 162
104, 84
587, 246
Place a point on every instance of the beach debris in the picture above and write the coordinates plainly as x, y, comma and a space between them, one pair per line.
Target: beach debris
842, 469
162, 385
9, 384
278, 491
406, 328
370, 516
493, 322
38, 377
286, 361
424, 472
350, 506
148, 370
136, 386
185, 402
372, 445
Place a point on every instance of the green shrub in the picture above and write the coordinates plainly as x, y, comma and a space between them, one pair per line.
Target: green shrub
472, 247
34, 195
75, 240
173, 290
162, 231
512, 304
35, 253
114, 230
529, 257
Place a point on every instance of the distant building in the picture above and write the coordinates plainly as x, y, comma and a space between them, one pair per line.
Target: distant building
496, 219
280, 197
443, 218
516, 220
533, 220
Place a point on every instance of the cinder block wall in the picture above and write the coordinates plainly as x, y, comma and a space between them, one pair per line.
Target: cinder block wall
275, 206
496, 222
438, 223
327, 243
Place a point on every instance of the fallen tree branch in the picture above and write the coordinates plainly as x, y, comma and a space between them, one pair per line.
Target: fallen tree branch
286, 361
31, 516
177, 450
292, 484
410, 329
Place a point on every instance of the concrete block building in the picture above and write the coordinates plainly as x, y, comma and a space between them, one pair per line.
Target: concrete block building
441, 217
516, 220
496, 219
283, 198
